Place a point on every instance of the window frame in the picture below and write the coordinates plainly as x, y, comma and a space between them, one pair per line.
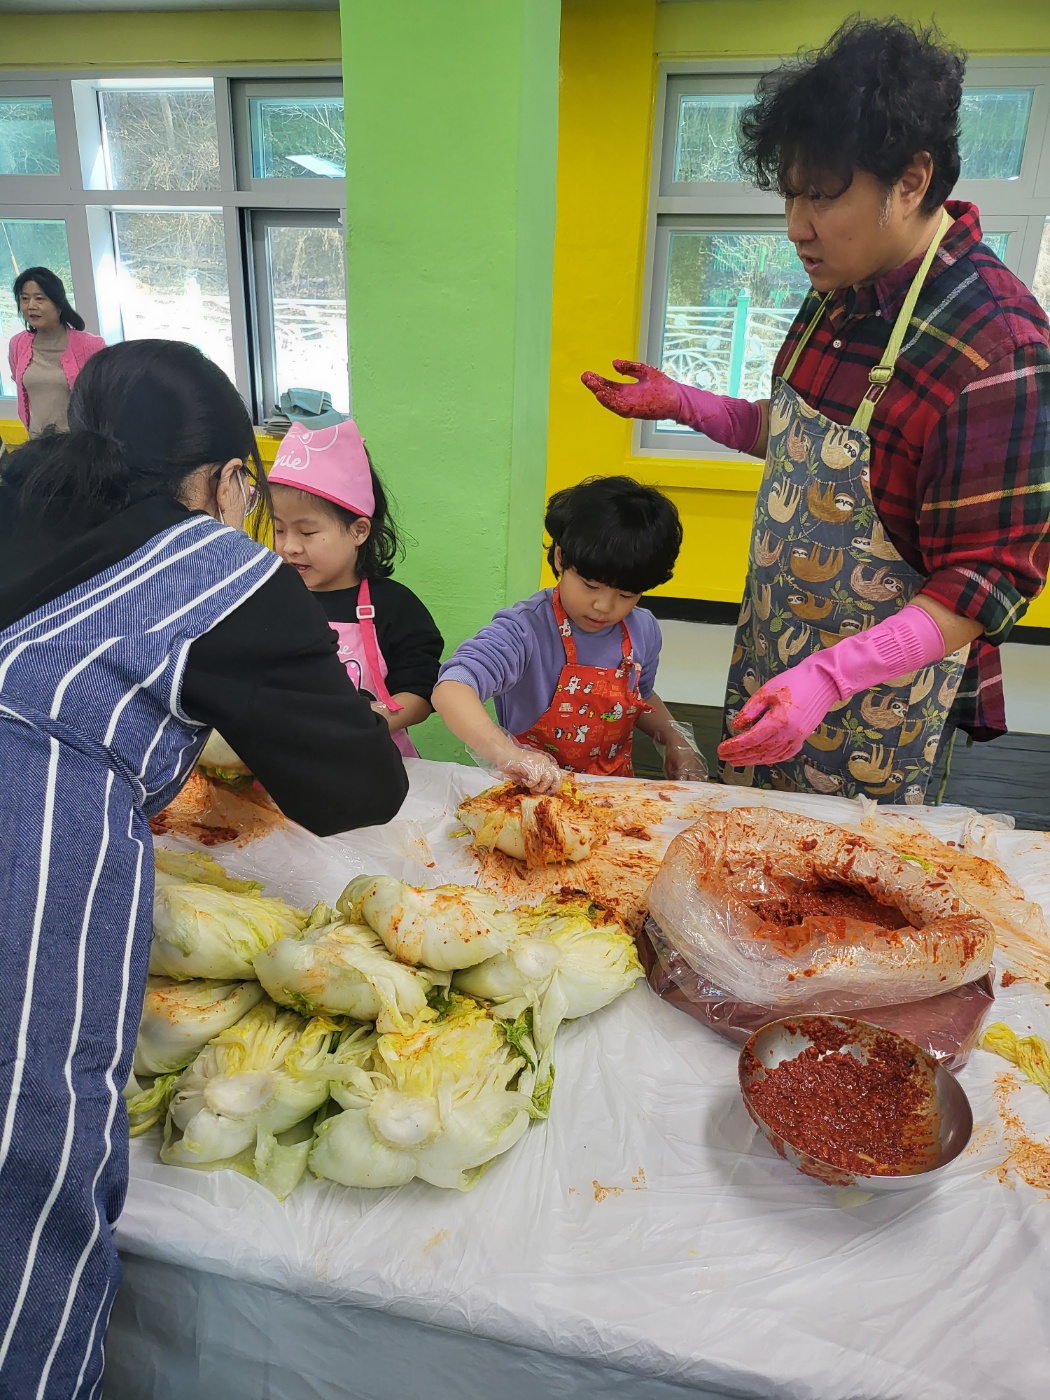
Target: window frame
45, 188
1019, 207
257, 223
94, 126
242, 91
78, 194
43, 213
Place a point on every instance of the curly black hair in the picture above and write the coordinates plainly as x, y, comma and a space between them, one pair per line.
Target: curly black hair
876, 95
614, 530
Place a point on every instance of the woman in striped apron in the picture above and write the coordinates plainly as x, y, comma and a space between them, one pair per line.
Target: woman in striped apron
121, 558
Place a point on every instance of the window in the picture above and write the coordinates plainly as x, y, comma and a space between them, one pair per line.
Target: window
730, 299
994, 125
196, 208
171, 279
725, 283
297, 138
286, 134
300, 293
28, 243
160, 138
1041, 285
27, 137
705, 148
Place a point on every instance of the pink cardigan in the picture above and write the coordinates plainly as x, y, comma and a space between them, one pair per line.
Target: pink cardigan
82, 345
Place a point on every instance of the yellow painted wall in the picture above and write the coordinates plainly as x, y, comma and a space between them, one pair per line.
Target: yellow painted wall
12, 433
610, 55
171, 40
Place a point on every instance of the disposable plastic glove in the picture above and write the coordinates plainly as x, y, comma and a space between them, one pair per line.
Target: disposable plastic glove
779, 717
531, 768
735, 423
683, 761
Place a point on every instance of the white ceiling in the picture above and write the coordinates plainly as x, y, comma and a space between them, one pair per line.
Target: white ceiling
72, 7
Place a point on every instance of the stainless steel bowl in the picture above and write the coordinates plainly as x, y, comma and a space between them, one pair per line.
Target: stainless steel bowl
950, 1117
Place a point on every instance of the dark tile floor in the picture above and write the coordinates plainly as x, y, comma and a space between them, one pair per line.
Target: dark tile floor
1010, 775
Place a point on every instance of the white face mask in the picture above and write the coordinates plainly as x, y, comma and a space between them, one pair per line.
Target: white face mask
249, 497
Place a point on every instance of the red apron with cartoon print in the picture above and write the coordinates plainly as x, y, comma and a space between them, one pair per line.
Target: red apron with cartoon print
589, 723
365, 664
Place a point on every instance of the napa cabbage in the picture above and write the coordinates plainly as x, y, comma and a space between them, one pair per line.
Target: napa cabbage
179, 1018
563, 965
440, 1103
208, 924
339, 968
452, 926
252, 1086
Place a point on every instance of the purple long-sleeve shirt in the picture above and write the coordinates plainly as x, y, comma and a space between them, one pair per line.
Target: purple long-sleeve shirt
516, 660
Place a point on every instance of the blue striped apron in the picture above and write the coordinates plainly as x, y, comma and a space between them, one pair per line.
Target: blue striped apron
93, 741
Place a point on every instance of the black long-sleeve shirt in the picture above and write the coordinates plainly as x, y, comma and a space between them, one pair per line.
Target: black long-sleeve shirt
407, 635
267, 676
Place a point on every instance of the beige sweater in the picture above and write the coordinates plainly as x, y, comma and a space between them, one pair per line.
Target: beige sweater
45, 382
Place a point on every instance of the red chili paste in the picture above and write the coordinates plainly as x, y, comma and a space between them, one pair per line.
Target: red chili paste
873, 1118
829, 901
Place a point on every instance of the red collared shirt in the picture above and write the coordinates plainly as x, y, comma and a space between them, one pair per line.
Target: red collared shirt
960, 440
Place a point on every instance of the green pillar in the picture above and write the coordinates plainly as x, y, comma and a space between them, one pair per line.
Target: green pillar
451, 151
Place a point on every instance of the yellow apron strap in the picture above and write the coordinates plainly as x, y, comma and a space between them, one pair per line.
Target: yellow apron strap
880, 376
789, 368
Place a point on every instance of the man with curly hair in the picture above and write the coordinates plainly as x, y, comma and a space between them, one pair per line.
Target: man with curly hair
903, 521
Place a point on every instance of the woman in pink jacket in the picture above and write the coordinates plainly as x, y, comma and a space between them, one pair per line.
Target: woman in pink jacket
48, 355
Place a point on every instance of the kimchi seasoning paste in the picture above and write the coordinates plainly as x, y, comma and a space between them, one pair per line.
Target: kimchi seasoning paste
830, 901
872, 1117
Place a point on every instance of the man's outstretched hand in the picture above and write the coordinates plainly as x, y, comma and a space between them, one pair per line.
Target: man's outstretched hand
734, 423
654, 395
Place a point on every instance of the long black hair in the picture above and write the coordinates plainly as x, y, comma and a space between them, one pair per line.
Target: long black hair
379, 553
143, 416
54, 289
614, 530
876, 95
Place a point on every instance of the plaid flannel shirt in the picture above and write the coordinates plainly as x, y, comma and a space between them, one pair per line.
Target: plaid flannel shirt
960, 440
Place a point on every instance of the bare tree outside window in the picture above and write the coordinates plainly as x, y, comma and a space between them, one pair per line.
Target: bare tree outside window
297, 138
308, 291
172, 280
160, 139
27, 137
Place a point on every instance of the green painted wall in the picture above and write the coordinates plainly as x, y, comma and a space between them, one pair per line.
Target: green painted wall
451, 117
173, 40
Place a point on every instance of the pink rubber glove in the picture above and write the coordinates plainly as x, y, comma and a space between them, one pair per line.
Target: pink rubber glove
734, 423
777, 720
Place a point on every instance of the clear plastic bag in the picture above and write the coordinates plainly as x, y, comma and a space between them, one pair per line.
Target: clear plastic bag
945, 1026
783, 911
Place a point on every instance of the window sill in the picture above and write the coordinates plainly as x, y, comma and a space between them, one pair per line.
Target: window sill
698, 474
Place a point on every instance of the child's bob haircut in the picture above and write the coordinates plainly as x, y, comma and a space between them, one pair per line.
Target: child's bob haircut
615, 531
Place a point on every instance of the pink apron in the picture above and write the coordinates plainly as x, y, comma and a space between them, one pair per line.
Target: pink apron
359, 652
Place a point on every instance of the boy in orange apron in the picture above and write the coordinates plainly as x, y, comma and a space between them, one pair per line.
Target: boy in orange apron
572, 669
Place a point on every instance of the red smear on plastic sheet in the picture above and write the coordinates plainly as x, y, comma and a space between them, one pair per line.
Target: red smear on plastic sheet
212, 815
